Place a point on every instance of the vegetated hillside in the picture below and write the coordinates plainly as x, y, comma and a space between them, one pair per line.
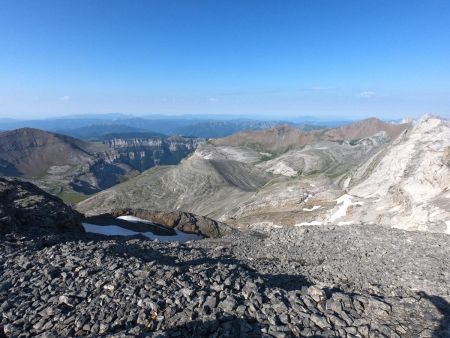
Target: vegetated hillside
249, 185
71, 168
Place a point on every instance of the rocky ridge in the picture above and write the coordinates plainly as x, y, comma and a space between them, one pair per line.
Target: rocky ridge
25, 208
279, 139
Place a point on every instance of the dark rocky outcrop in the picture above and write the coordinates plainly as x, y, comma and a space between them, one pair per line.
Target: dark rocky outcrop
26, 208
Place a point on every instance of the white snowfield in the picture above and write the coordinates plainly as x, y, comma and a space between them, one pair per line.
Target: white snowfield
315, 207
344, 202
134, 219
308, 223
346, 223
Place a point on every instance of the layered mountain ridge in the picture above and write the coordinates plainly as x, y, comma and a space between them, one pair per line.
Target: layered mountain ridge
370, 172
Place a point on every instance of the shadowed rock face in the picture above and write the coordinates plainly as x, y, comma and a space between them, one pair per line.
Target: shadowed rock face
182, 221
25, 208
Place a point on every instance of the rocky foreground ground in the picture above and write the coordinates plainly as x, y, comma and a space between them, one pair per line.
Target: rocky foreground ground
320, 282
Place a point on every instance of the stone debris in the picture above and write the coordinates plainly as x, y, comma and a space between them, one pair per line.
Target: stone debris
90, 286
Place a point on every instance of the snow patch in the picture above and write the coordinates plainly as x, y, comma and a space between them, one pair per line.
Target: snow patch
315, 207
114, 230
308, 223
448, 227
345, 201
207, 156
134, 219
346, 223
266, 225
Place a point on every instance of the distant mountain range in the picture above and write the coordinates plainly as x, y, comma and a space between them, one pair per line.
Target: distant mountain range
91, 127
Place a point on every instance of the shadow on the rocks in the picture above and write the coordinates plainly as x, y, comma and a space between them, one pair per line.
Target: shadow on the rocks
444, 308
283, 281
286, 282
227, 326
164, 256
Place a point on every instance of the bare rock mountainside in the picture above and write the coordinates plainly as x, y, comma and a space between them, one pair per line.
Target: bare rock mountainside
71, 168
287, 177
370, 172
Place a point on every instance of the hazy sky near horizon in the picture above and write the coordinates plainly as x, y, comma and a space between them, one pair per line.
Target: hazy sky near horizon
352, 58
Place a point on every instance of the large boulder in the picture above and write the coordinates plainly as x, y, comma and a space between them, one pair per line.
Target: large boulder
26, 208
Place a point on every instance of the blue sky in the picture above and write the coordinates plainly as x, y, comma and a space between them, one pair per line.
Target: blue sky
274, 58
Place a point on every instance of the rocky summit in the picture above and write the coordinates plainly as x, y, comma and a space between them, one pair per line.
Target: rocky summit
294, 283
